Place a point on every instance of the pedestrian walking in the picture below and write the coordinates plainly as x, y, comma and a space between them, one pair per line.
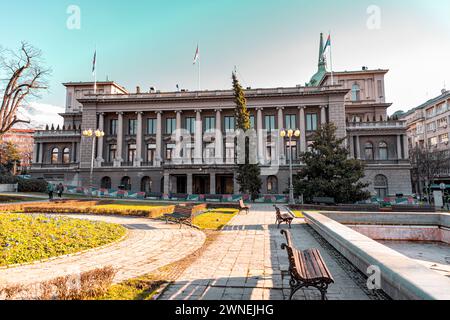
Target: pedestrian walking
60, 190
50, 189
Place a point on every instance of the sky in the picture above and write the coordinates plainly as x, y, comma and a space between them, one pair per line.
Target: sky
151, 43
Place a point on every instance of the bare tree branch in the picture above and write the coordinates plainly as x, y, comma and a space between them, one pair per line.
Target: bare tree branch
24, 77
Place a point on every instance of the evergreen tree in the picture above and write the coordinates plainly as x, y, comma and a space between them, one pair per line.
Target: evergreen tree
328, 172
248, 175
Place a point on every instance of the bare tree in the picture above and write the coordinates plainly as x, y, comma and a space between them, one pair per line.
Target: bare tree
427, 166
22, 77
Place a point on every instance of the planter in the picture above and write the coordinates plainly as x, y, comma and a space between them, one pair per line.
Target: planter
8, 187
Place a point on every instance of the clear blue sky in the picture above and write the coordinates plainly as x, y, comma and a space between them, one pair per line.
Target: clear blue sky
273, 43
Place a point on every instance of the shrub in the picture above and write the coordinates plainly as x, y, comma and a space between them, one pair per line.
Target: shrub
32, 185
7, 179
87, 285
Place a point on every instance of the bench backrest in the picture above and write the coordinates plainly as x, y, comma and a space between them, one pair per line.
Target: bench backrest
183, 210
241, 204
288, 236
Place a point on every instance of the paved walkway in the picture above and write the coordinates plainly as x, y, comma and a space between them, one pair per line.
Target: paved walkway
246, 262
150, 245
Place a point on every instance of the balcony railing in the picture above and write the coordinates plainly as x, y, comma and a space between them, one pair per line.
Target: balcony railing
377, 125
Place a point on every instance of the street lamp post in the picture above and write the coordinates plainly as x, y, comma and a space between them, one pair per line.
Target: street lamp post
290, 133
94, 135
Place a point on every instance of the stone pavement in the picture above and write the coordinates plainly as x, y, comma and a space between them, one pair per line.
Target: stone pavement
246, 262
149, 245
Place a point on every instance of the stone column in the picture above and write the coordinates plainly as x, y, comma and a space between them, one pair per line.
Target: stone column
302, 127
119, 151
260, 134
323, 115
176, 157
219, 137
166, 183
212, 183
198, 157
282, 156
139, 136
73, 152
189, 183
236, 185
405, 147
352, 147
158, 155
101, 127
358, 148
35, 153
399, 147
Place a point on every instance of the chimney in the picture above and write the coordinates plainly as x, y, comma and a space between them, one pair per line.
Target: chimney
138, 89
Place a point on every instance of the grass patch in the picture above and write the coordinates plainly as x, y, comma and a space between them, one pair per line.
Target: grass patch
27, 238
298, 214
214, 219
142, 288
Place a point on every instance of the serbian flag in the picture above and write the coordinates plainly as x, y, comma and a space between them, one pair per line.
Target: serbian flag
94, 62
328, 43
197, 55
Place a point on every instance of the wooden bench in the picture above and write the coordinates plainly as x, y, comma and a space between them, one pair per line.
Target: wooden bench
307, 268
243, 207
283, 217
181, 214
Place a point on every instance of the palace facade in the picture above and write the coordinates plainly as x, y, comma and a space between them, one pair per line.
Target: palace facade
142, 132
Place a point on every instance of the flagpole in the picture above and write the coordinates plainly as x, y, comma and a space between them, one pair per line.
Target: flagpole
95, 71
331, 61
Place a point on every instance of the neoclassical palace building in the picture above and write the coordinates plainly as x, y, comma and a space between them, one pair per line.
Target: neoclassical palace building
143, 132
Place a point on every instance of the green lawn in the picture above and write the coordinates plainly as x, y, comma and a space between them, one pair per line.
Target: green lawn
214, 219
27, 238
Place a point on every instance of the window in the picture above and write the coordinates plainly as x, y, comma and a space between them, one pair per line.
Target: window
441, 108
190, 125
105, 183
252, 122
113, 127
291, 150
381, 186
383, 151
112, 152
131, 152
311, 122
229, 152
356, 92
269, 123
431, 126
151, 126
55, 155
146, 185
210, 124
356, 119
443, 138
290, 121
368, 151
151, 149
442, 123
272, 184
430, 113
66, 155
171, 125
169, 151
229, 124
132, 127
126, 183
269, 154
380, 88
433, 141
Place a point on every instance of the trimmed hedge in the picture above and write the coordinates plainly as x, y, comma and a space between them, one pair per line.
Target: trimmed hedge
32, 185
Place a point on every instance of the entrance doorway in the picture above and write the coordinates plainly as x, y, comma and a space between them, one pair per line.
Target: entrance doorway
181, 184
200, 184
224, 184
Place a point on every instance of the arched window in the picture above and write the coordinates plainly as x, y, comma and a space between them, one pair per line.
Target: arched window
55, 155
105, 183
381, 186
272, 185
368, 151
66, 155
383, 151
146, 185
126, 183
356, 92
